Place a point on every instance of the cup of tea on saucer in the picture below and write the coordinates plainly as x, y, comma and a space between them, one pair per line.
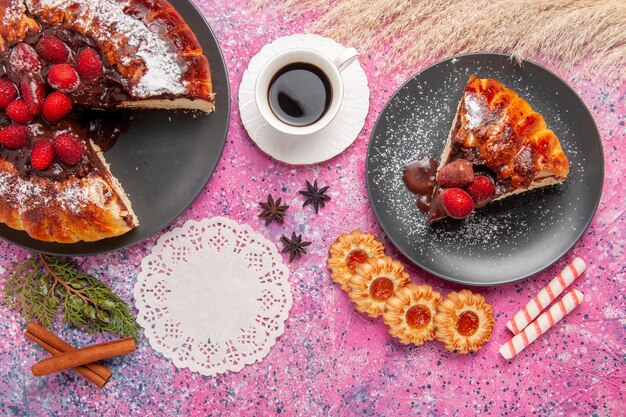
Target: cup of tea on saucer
300, 91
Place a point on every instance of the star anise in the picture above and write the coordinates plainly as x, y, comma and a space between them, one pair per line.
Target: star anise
272, 210
295, 246
315, 196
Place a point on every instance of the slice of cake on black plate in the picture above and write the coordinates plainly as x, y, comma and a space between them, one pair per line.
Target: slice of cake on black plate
497, 147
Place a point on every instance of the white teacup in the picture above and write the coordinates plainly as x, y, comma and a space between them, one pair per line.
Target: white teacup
331, 67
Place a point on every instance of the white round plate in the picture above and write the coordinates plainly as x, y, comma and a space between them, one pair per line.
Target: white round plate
322, 145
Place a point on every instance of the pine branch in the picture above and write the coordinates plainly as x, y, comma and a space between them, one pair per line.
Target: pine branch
43, 286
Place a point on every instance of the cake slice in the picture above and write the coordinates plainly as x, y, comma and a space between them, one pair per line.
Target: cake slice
498, 146
59, 58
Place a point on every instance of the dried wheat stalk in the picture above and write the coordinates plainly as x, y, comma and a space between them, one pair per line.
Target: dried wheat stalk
568, 32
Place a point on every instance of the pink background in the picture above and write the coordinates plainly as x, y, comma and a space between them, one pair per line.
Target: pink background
332, 360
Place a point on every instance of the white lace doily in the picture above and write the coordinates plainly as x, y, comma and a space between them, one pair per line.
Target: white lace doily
213, 296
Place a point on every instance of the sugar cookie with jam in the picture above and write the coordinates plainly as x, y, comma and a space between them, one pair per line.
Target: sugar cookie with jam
464, 321
374, 283
409, 314
349, 252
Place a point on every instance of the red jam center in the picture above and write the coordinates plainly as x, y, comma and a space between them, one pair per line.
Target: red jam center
381, 289
418, 316
467, 323
356, 258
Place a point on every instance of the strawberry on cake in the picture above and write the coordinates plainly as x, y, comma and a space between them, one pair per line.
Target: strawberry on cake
59, 58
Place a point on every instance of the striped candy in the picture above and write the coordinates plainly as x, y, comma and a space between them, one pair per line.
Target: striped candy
538, 327
539, 302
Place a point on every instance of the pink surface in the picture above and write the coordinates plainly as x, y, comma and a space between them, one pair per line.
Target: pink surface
332, 360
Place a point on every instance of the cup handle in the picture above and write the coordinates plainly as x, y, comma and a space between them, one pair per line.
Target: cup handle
345, 58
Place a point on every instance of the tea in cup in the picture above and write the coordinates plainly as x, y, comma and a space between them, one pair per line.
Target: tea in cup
299, 91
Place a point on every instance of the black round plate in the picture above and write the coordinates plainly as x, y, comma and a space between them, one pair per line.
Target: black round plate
164, 160
510, 239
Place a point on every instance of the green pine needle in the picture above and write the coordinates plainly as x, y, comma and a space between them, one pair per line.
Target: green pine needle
42, 287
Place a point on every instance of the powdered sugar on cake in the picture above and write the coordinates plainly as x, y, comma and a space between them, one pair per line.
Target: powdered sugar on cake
475, 112
130, 39
14, 12
23, 195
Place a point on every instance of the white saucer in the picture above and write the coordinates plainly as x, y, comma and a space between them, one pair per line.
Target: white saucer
322, 145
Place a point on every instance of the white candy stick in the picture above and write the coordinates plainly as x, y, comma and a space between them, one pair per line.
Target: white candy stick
548, 294
545, 321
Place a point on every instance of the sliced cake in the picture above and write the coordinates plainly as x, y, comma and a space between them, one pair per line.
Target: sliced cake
498, 146
59, 58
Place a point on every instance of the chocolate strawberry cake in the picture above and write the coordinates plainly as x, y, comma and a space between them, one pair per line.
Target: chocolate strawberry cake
498, 146
58, 60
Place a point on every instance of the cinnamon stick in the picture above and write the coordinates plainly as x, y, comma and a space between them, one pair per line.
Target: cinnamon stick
60, 344
94, 372
83, 370
83, 356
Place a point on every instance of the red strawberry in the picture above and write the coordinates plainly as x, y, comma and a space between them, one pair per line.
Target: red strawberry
23, 58
14, 136
8, 93
33, 92
481, 189
458, 173
68, 149
42, 154
17, 110
89, 65
63, 77
457, 203
56, 106
53, 49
